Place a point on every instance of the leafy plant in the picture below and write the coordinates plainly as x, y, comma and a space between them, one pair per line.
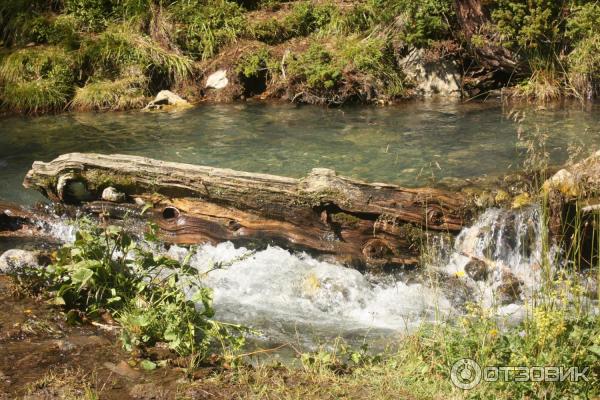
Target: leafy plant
105, 271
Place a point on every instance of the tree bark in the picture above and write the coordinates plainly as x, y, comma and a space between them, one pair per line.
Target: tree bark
358, 223
491, 55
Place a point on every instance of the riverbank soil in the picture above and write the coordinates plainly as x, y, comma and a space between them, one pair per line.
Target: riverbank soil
43, 357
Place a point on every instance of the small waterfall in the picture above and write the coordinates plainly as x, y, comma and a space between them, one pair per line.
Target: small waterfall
499, 257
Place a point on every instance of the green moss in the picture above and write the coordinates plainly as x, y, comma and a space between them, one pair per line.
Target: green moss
97, 180
345, 219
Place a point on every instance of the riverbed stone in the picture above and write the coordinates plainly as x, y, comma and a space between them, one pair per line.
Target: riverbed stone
477, 270
439, 78
15, 260
113, 195
510, 289
166, 98
217, 80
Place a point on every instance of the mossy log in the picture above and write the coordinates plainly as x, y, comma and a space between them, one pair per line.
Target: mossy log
357, 222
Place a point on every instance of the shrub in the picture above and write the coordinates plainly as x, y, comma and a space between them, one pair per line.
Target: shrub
206, 27
304, 19
93, 14
374, 57
104, 270
528, 24
257, 63
316, 67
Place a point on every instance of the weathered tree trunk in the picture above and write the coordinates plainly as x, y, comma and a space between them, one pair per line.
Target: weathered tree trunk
473, 20
573, 196
373, 224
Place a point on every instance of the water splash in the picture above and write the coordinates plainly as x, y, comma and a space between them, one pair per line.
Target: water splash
283, 293
292, 295
499, 257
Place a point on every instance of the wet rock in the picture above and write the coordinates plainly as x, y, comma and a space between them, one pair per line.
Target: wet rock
166, 98
113, 195
509, 290
477, 270
217, 80
563, 181
440, 78
15, 260
521, 200
123, 369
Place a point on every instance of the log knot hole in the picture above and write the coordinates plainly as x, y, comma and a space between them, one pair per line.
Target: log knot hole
170, 212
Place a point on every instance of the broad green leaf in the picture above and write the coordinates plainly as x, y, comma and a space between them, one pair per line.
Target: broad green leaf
147, 365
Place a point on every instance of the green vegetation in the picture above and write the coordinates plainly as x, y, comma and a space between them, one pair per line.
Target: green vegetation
105, 272
173, 44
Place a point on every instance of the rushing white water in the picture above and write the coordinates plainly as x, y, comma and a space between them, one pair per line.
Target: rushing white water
297, 297
287, 294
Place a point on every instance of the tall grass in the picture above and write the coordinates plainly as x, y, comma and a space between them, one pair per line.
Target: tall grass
120, 94
37, 79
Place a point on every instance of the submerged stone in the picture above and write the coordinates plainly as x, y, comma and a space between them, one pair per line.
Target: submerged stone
166, 98
15, 260
113, 195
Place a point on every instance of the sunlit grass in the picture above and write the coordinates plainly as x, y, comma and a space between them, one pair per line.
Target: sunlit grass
120, 94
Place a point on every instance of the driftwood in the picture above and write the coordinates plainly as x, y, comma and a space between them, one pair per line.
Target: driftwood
357, 222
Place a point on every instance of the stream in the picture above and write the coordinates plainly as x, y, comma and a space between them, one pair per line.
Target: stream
293, 297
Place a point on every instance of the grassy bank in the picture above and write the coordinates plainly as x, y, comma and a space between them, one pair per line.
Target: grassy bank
105, 278
114, 54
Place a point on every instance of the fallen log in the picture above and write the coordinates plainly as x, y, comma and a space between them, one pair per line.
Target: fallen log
357, 222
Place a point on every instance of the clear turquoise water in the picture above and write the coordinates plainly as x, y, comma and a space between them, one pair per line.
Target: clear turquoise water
404, 144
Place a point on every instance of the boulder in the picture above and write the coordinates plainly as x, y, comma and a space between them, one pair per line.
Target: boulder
14, 260
477, 270
166, 98
113, 195
217, 80
440, 78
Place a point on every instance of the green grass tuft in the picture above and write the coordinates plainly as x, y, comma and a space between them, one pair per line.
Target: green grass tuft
104, 95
